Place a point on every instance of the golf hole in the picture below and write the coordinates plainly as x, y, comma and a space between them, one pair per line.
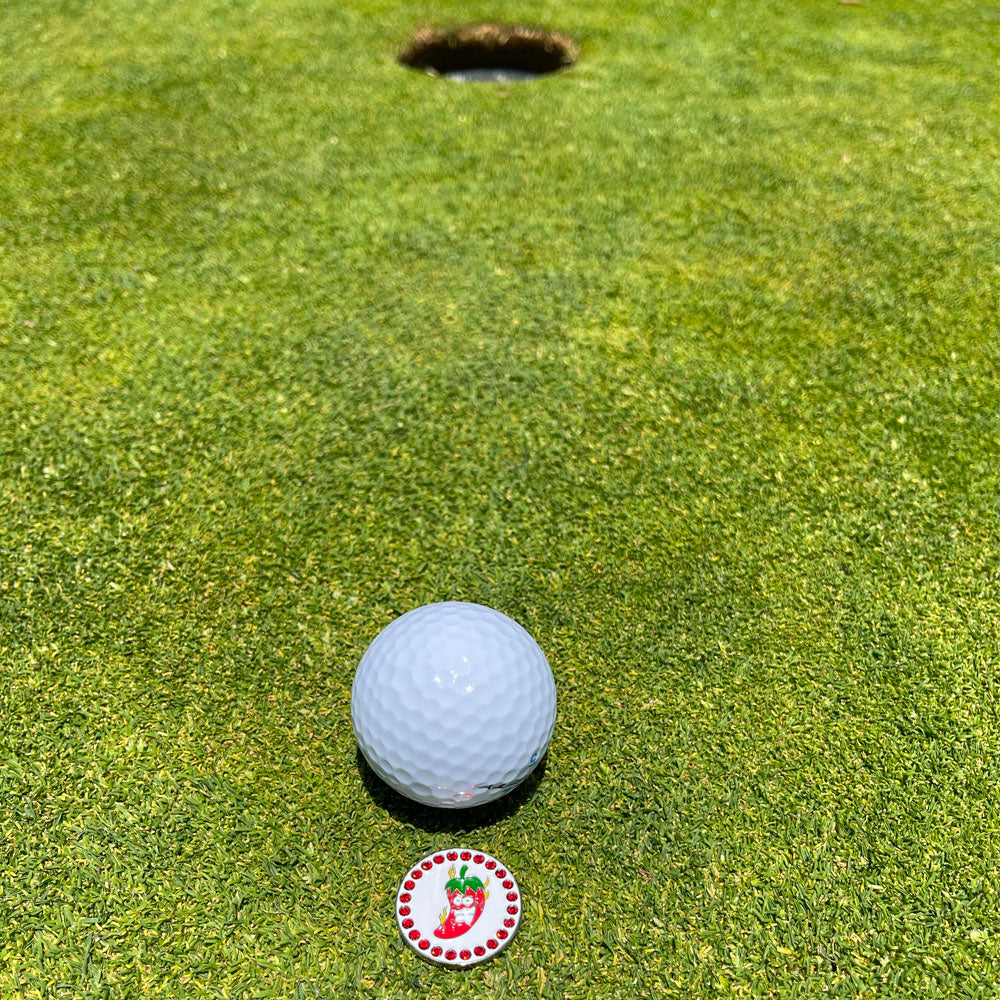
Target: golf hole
489, 52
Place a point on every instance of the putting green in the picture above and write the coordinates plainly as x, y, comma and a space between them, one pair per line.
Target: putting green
686, 358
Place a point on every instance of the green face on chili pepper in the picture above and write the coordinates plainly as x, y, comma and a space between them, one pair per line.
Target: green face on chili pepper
466, 899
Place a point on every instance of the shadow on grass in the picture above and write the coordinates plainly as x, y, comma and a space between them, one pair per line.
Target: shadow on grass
432, 820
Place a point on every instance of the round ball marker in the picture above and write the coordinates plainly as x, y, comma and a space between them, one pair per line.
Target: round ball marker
458, 907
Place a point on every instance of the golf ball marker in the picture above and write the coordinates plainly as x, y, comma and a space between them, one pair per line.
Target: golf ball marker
453, 704
458, 907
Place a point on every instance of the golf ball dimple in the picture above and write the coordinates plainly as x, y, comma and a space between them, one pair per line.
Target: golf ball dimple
453, 704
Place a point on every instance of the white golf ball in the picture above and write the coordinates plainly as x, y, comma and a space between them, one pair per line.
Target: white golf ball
453, 704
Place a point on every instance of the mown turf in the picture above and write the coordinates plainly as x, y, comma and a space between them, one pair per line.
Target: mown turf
687, 359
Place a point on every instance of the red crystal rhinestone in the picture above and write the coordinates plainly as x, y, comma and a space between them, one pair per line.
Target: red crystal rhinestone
465, 954
491, 865
508, 883
414, 934
466, 855
404, 897
508, 922
501, 873
408, 884
438, 860
502, 934
478, 858
436, 950
453, 855
512, 897
404, 911
451, 955
479, 950
416, 873
407, 924
492, 943
423, 944
426, 866
512, 909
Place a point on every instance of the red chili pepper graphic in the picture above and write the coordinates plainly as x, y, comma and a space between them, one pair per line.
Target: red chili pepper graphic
466, 899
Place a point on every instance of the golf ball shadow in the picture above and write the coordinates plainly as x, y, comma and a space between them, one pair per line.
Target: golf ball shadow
433, 820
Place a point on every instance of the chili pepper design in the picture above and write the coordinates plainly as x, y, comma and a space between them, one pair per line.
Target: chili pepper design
466, 900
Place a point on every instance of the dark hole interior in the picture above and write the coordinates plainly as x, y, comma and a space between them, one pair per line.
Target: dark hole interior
524, 50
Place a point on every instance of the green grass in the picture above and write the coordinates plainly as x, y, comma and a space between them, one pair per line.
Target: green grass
687, 359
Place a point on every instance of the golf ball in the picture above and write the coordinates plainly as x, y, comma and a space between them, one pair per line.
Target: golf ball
453, 704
